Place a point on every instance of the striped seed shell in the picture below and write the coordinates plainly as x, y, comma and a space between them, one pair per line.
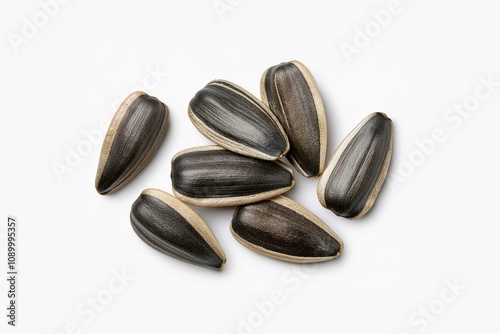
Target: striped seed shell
170, 226
291, 93
355, 174
135, 133
282, 229
236, 120
213, 176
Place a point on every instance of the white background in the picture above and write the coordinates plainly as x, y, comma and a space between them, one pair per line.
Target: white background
433, 225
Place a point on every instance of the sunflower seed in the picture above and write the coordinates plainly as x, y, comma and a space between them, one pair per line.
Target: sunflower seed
357, 169
236, 120
134, 135
282, 229
291, 93
170, 226
213, 176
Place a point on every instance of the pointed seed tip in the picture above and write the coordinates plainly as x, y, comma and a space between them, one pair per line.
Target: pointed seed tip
100, 190
222, 265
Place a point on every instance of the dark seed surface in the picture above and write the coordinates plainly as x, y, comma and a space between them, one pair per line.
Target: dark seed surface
359, 167
236, 116
163, 227
290, 98
138, 130
280, 229
220, 173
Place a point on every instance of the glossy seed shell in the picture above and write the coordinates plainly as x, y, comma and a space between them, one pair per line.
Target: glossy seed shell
213, 176
170, 226
234, 119
291, 93
282, 229
357, 170
135, 133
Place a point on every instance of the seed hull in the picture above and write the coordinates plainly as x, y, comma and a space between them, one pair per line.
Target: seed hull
234, 119
213, 176
170, 226
291, 93
282, 229
357, 170
134, 135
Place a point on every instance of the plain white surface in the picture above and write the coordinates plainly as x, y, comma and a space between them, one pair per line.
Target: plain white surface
432, 226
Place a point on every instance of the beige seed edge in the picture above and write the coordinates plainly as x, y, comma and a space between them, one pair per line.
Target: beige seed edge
232, 201
380, 181
192, 217
114, 125
334, 159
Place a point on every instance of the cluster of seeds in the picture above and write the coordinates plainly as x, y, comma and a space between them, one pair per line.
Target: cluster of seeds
244, 170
